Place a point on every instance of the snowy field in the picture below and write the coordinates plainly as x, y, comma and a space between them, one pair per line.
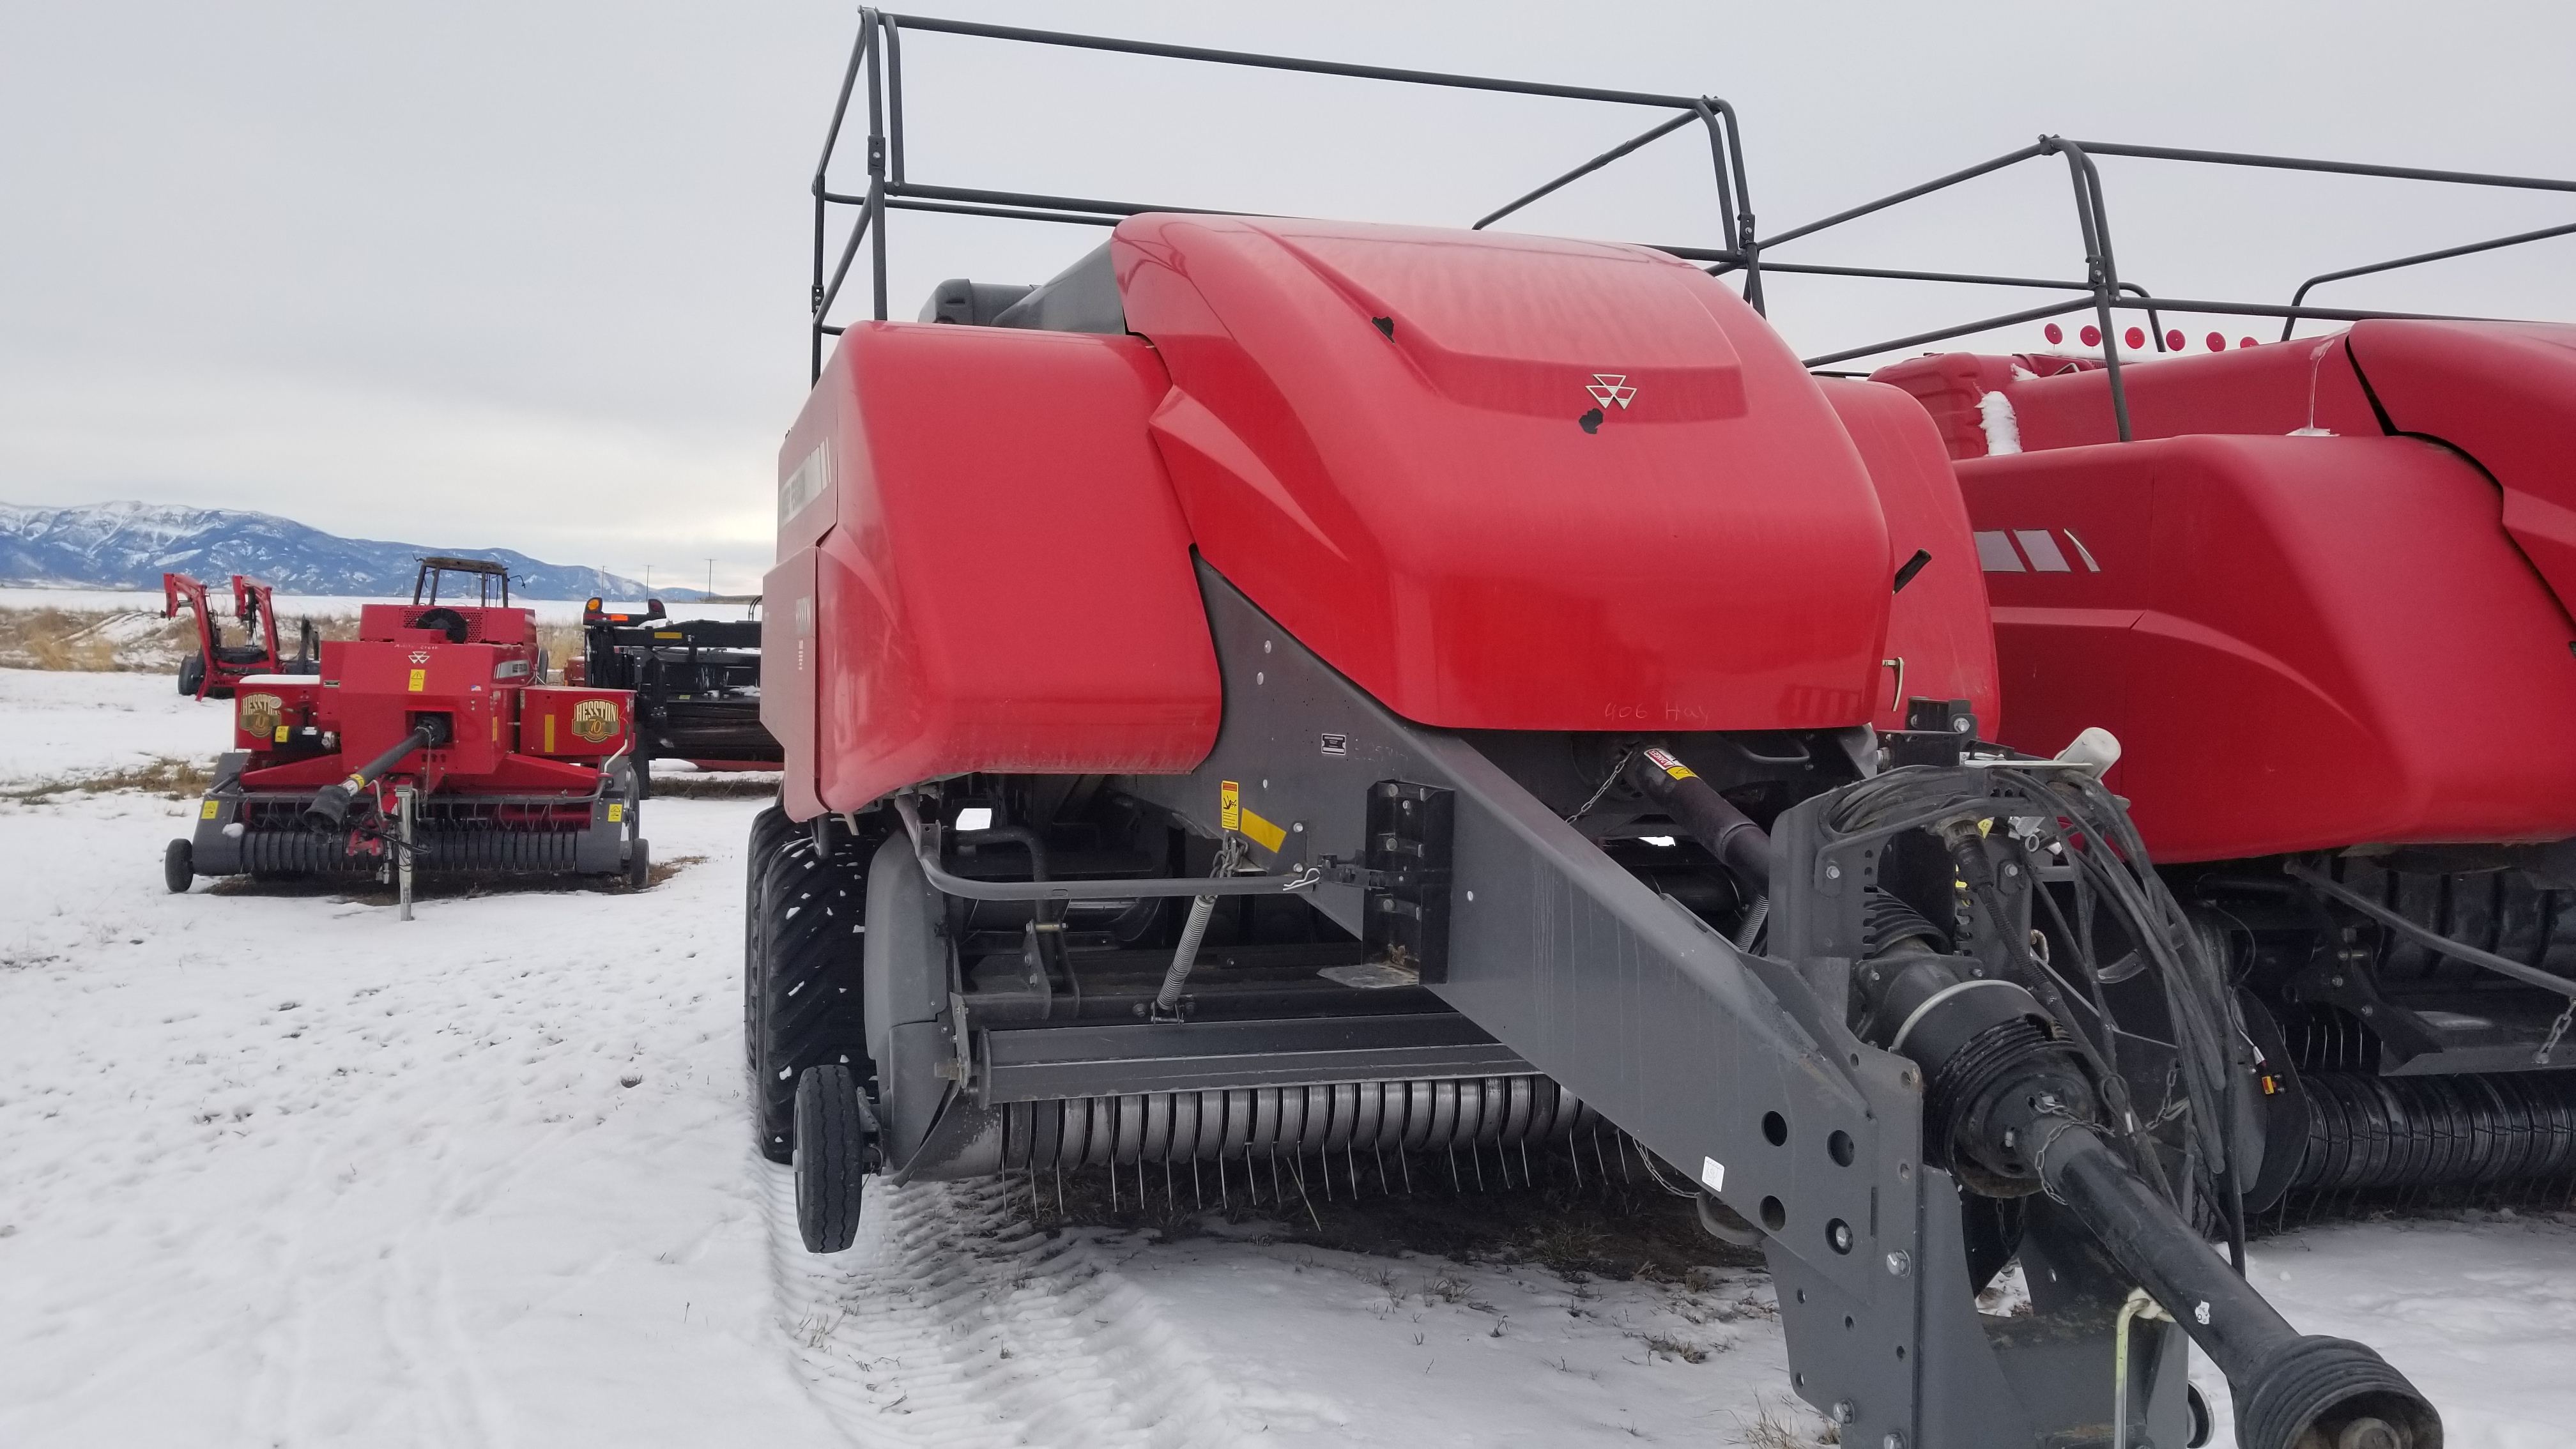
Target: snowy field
290, 606
280, 1170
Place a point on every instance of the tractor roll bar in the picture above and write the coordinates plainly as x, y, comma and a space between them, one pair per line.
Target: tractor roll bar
2106, 292
878, 53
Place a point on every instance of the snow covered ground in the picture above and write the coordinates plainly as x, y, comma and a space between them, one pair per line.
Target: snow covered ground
290, 606
280, 1170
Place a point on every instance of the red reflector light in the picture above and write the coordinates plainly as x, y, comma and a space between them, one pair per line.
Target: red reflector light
2092, 336
2244, 341
2136, 337
2173, 340
2217, 341
2053, 332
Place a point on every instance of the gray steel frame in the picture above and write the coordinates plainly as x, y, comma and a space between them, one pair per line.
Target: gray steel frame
1686, 1043
1738, 1069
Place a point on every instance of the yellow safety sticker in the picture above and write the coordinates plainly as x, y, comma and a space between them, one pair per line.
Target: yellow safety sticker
206, 811
1229, 805
281, 734
616, 813
1669, 765
419, 680
1262, 833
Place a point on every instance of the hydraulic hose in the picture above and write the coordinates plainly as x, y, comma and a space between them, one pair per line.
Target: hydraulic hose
329, 811
1721, 829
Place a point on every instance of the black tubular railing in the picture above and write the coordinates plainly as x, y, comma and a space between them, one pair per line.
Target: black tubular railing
2105, 293
878, 56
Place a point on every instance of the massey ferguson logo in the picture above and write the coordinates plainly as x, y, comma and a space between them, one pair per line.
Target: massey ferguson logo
260, 714
594, 720
420, 656
1609, 388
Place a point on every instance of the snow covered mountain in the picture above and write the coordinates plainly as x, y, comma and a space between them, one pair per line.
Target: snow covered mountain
130, 545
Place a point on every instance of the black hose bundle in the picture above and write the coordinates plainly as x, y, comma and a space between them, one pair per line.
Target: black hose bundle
2061, 813
2024, 1096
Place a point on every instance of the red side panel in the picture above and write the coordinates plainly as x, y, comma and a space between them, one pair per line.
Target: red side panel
2301, 642
2063, 402
788, 666
1939, 642
1001, 579
1513, 483
2505, 394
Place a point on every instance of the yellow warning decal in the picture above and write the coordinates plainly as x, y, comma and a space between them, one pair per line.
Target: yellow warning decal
206, 811
1229, 805
616, 813
1669, 765
1262, 833
419, 680
281, 734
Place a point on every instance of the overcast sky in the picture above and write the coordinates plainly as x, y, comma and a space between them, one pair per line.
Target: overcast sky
533, 274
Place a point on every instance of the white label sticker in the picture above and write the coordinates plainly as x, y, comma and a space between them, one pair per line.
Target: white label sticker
805, 484
1713, 1173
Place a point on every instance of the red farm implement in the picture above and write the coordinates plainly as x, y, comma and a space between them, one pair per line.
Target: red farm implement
430, 741
1340, 692
216, 667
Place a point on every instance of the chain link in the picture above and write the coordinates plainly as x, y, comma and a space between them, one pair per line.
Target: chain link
1618, 767
2557, 1029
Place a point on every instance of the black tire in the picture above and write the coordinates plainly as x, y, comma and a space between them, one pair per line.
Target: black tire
639, 865
807, 968
835, 1151
192, 673
768, 831
179, 867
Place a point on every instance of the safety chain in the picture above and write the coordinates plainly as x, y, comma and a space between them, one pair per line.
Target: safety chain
2557, 1029
1618, 767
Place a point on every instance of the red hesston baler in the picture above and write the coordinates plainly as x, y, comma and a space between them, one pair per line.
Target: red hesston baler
216, 667
1339, 693
442, 700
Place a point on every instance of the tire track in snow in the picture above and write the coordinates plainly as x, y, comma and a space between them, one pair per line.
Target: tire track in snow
950, 1323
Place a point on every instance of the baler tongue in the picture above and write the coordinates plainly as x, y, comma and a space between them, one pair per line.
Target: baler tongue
329, 812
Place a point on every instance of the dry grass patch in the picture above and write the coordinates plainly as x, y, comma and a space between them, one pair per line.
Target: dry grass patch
720, 787
1785, 1425
168, 776
95, 640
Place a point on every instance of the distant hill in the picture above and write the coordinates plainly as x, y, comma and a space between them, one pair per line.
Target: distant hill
130, 545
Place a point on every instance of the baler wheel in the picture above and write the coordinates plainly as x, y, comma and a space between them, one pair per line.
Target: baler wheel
639, 865
806, 1012
834, 1145
179, 867
192, 672
769, 830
